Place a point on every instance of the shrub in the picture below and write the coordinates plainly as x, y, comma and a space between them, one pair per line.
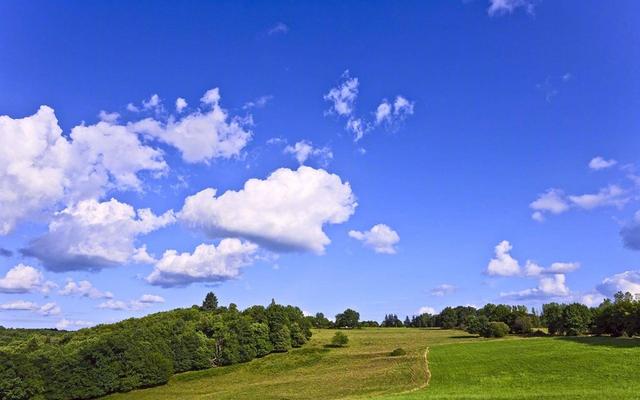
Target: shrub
522, 325
339, 339
496, 329
398, 352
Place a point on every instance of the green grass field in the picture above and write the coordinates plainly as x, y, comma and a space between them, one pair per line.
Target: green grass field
459, 367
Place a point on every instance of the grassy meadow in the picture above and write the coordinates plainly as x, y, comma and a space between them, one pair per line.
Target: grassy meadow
460, 366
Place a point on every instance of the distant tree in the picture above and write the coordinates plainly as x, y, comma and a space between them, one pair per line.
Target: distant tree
279, 331
347, 319
407, 322
552, 317
210, 302
448, 318
297, 336
477, 325
339, 339
320, 321
391, 321
576, 319
369, 324
261, 335
423, 321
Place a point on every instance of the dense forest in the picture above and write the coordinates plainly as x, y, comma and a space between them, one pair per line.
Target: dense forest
142, 352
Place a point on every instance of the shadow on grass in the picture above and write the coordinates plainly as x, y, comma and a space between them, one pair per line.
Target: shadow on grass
464, 337
607, 341
334, 346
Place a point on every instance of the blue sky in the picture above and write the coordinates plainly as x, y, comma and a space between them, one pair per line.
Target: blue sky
457, 152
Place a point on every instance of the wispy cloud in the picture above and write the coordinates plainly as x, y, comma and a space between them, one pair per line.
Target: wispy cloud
279, 28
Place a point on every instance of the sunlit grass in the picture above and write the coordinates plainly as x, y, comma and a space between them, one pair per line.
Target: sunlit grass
461, 367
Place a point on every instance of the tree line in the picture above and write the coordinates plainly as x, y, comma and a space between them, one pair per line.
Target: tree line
616, 317
142, 352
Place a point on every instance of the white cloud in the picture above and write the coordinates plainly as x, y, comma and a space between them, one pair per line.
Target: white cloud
552, 201
551, 280
599, 163
140, 255
200, 136
303, 149
344, 95
257, 103
83, 288
402, 107
131, 107
278, 28
381, 238
181, 104
343, 98
537, 216
50, 309
23, 279
533, 269
443, 290
40, 169
66, 324
427, 310
152, 103
627, 281
562, 267
502, 7
114, 305
151, 298
21, 305
383, 112
591, 299
357, 127
110, 117
284, 212
20, 279
554, 285
612, 195
503, 264
549, 286
117, 152
208, 263
33, 166
145, 301
393, 113
93, 235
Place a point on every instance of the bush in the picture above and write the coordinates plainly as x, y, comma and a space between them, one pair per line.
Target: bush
398, 352
339, 339
522, 325
496, 329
